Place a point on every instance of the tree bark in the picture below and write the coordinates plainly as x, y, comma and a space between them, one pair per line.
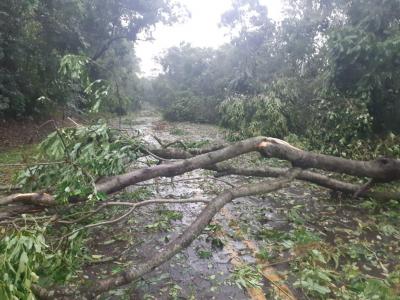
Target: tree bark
381, 169
40, 199
308, 176
171, 169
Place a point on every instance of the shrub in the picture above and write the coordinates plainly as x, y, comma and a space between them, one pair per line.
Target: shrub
253, 116
188, 107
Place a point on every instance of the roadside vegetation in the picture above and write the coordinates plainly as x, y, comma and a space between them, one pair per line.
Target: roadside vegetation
327, 75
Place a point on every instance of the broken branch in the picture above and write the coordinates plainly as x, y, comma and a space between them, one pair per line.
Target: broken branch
308, 176
91, 289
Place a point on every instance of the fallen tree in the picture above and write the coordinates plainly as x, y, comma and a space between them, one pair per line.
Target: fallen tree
378, 171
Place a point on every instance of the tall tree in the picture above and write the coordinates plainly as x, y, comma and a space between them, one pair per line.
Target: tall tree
35, 35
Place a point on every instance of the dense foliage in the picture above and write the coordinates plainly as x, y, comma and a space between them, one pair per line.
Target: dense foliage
75, 158
253, 116
27, 258
330, 70
36, 35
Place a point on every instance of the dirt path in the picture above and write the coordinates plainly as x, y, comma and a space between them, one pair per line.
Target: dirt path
281, 234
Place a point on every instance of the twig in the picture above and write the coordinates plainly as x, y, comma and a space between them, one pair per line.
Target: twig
52, 121
154, 155
101, 261
279, 288
164, 146
33, 164
86, 215
10, 188
279, 262
51, 218
73, 121
44, 124
364, 188
133, 205
158, 140
176, 142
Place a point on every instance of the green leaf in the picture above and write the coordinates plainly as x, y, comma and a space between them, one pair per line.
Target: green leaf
22, 266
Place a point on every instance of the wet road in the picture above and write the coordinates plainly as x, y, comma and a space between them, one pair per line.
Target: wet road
203, 270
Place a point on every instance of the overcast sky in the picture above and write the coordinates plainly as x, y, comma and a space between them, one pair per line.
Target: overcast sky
200, 30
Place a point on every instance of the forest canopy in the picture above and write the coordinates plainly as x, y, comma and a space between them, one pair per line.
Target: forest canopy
59, 53
328, 72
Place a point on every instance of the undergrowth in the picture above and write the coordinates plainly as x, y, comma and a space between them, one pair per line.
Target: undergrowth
27, 257
330, 260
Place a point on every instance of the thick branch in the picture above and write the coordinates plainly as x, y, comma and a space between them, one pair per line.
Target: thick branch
308, 176
381, 169
106, 46
174, 153
41, 199
119, 182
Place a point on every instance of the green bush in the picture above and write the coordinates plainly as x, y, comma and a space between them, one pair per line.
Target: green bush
253, 116
338, 124
188, 107
26, 258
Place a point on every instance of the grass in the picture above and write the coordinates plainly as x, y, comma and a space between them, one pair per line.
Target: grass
19, 155
204, 254
177, 131
166, 217
139, 194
